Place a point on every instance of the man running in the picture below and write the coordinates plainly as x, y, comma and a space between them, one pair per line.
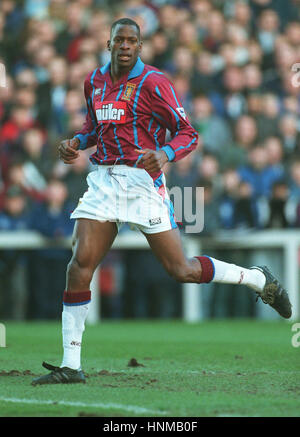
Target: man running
130, 106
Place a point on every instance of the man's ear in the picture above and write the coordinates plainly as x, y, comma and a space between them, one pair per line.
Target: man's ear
140, 46
108, 45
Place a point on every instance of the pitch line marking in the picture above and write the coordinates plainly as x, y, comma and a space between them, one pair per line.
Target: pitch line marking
129, 408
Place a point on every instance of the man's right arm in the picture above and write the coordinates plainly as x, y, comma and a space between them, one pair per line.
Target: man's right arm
87, 136
68, 150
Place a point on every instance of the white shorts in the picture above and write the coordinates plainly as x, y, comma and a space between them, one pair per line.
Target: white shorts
124, 194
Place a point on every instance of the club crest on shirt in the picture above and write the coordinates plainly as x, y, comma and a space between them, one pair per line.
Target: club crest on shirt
130, 87
98, 91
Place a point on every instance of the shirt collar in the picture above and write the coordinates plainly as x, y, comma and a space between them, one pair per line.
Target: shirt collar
105, 68
137, 70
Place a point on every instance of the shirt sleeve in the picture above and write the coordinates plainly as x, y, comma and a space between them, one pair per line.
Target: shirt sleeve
168, 111
88, 135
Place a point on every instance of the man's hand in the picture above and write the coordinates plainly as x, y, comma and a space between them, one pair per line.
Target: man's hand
152, 160
68, 150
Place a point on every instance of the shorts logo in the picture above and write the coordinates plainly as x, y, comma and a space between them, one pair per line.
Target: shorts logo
155, 221
108, 112
130, 87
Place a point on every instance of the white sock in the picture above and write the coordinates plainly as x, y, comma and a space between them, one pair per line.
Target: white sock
73, 325
232, 274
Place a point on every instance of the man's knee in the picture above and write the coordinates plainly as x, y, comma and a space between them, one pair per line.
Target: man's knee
81, 268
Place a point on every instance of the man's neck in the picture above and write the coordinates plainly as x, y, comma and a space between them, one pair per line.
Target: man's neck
116, 73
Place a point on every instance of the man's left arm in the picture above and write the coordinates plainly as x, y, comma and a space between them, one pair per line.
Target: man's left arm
169, 112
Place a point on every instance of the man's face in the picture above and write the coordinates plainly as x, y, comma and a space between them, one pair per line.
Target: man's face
125, 46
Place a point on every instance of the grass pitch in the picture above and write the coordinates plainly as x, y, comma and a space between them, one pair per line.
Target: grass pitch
214, 368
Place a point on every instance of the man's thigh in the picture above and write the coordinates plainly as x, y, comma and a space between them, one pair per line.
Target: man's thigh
91, 241
167, 247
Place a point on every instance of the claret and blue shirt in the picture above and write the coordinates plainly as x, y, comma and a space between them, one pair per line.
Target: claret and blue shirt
133, 114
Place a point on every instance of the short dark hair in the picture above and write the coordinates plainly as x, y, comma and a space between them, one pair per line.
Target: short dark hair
126, 22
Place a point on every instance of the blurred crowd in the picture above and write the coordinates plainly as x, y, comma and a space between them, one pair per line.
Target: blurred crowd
232, 63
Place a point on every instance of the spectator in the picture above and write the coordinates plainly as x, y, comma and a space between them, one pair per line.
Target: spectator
182, 174
208, 169
291, 105
188, 36
37, 159
268, 120
201, 10
51, 96
295, 180
209, 202
268, 30
234, 83
242, 14
253, 79
11, 18
68, 39
215, 31
20, 120
245, 137
169, 20
228, 198
75, 179
36, 10
258, 173
181, 84
289, 134
13, 263
76, 75
148, 52
42, 60
214, 130
27, 179
51, 219
246, 211
11, 133
26, 77
73, 105
183, 62
275, 152
254, 105
292, 32
278, 218
204, 75
162, 49
143, 14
